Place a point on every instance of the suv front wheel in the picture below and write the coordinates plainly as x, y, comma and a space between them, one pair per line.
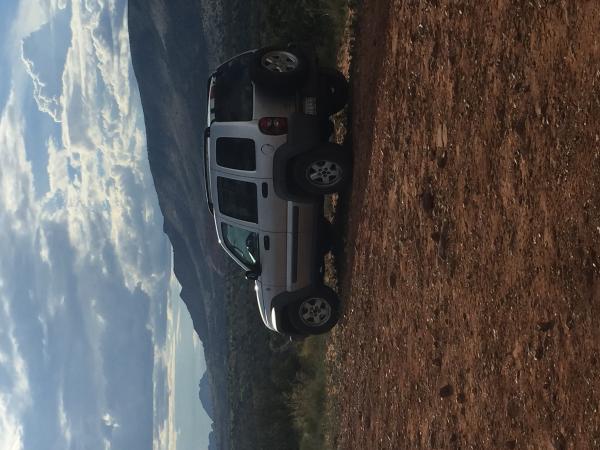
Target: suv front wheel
324, 170
315, 314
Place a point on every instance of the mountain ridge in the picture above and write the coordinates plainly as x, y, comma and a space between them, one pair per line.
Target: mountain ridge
169, 58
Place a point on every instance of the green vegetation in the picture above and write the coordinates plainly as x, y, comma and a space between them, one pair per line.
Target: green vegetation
256, 23
262, 368
308, 401
315, 22
277, 389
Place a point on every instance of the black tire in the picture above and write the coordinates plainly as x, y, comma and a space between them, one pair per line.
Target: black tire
264, 74
321, 319
324, 170
333, 90
326, 130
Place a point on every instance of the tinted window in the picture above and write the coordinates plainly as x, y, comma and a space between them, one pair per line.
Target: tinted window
233, 93
237, 199
236, 153
242, 243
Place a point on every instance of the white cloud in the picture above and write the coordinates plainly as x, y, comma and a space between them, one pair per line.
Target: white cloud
63, 420
11, 431
99, 319
16, 180
98, 175
17, 212
99, 190
31, 15
17, 399
12, 360
47, 104
104, 144
109, 421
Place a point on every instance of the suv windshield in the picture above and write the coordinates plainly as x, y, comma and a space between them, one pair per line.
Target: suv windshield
233, 91
242, 243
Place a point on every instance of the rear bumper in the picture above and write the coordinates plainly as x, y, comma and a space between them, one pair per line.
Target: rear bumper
307, 95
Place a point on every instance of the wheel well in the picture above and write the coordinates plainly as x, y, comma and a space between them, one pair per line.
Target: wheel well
284, 320
291, 186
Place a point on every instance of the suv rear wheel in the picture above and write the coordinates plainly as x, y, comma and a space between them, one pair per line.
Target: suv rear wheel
315, 314
322, 171
279, 68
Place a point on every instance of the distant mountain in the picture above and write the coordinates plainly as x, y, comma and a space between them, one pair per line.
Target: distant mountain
169, 60
205, 396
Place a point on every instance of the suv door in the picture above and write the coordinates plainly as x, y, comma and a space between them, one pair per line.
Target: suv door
238, 201
242, 152
265, 145
240, 149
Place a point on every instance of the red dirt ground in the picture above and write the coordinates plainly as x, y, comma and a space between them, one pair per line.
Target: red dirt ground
472, 273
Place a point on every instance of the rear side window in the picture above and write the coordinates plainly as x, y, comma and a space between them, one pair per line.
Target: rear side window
233, 93
238, 199
236, 153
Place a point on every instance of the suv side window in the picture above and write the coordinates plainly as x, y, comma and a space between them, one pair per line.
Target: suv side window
234, 93
238, 199
236, 153
242, 243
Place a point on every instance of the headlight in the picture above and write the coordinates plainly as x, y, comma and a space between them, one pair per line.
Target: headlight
274, 318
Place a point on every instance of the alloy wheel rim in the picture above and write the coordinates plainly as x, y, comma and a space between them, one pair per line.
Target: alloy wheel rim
324, 173
280, 61
315, 312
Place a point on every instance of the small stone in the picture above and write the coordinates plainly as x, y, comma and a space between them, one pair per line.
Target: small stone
442, 160
441, 136
539, 353
546, 326
427, 201
559, 442
513, 408
446, 391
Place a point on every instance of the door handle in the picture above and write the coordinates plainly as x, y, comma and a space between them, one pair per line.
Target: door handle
266, 242
265, 190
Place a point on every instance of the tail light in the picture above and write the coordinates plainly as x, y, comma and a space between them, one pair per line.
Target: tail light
273, 125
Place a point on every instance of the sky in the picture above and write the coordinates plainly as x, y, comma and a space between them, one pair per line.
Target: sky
95, 347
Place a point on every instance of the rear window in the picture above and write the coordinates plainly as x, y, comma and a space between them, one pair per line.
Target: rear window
238, 199
233, 93
236, 153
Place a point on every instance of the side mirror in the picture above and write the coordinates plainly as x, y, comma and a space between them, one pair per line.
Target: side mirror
252, 275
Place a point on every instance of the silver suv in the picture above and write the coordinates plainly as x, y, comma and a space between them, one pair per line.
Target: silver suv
268, 164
